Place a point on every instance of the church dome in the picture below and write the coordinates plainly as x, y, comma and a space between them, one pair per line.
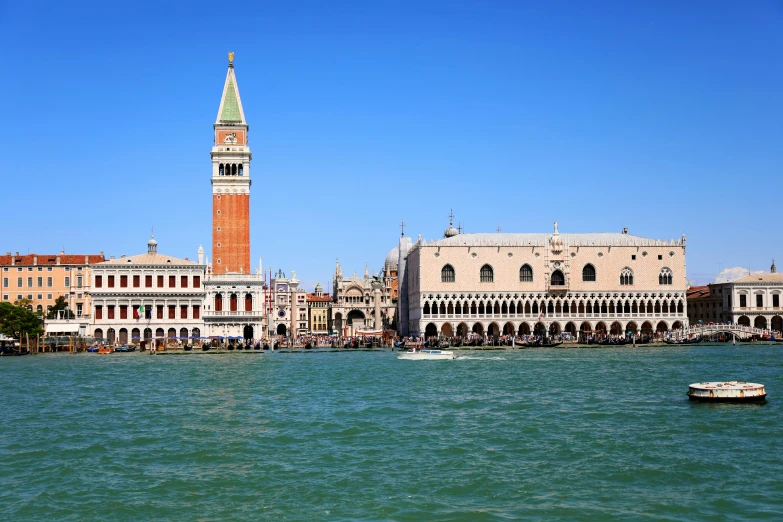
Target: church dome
392, 259
450, 232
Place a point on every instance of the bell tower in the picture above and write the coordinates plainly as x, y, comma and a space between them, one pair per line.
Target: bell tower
231, 182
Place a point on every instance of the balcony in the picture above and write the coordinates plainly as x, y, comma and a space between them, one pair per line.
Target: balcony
227, 314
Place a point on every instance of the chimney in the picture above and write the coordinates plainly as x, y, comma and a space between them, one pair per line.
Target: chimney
101, 254
17, 254
62, 252
625, 230
35, 260
57, 260
13, 260
112, 257
86, 260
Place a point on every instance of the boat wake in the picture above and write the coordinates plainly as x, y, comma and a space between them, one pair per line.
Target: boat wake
478, 358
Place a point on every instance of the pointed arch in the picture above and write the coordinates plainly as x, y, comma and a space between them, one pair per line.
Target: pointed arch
487, 274
462, 329
447, 274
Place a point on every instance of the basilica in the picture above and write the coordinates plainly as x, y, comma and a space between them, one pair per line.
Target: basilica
365, 303
501, 283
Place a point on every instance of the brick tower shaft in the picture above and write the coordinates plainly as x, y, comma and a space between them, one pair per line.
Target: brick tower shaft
231, 183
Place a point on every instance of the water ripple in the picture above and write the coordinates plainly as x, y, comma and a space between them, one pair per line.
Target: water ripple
555, 434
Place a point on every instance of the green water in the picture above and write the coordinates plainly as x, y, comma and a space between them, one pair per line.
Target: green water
568, 434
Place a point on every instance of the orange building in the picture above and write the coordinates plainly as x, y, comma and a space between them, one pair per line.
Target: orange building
231, 183
42, 278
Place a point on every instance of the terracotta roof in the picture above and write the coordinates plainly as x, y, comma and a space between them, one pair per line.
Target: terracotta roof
312, 298
697, 292
51, 259
761, 278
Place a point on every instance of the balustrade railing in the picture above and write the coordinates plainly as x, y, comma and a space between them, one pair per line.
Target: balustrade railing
236, 313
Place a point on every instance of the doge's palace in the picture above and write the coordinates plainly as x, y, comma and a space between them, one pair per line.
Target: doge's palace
502, 283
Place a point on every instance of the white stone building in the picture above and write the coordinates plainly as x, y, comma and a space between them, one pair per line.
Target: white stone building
287, 306
148, 296
234, 305
361, 303
501, 283
753, 300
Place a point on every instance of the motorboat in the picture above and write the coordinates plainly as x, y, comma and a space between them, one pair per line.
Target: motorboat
426, 355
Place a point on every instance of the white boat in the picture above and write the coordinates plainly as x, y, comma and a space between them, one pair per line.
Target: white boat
423, 355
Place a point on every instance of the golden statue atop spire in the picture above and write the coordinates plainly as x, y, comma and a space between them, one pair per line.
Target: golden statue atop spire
231, 57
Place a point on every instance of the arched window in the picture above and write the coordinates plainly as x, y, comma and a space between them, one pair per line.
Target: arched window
665, 277
248, 302
487, 274
447, 274
558, 279
588, 273
233, 302
526, 274
626, 276
219, 303
220, 170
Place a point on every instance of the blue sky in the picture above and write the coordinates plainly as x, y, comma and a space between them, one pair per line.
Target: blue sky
663, 117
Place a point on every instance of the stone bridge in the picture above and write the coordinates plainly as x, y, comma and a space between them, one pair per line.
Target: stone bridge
735, 330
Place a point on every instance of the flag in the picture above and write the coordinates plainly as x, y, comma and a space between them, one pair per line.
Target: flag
135, 313
141, 311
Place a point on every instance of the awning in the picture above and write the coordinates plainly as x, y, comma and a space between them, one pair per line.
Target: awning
62, 327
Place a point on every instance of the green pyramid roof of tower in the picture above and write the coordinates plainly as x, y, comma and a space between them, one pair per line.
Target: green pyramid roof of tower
230, 104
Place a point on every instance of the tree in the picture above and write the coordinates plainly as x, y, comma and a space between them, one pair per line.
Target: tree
60, 305
15, 321
24, 303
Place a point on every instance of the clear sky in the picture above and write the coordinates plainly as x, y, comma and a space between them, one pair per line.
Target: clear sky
664, 117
